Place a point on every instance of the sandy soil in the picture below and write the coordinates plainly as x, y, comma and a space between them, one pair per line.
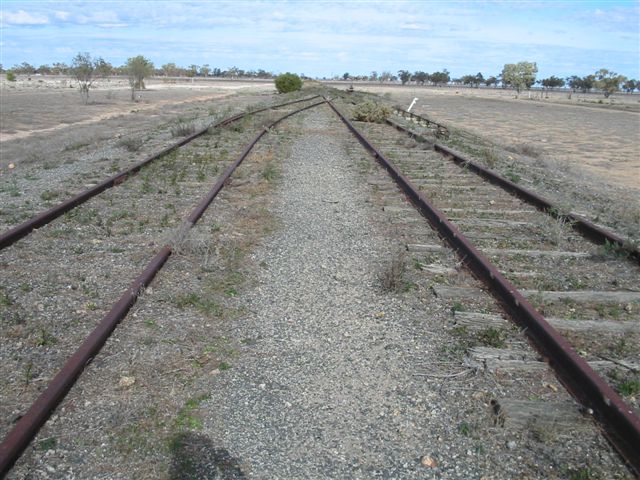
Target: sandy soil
602, 141
48, 104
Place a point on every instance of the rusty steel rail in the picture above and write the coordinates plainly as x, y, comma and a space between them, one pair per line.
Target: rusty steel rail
420, 118
28, 426
586, 228
16, 233
620, 424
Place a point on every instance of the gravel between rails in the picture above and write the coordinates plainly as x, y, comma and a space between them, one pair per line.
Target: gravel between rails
328, 387
325, 390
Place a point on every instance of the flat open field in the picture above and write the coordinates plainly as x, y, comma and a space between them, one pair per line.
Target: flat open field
49, 111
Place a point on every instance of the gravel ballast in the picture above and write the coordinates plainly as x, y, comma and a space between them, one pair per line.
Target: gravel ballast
325, 390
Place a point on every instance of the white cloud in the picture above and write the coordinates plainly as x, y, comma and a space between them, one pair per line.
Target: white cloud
98, 17
22, 18
60, 15
112, 25
415, 26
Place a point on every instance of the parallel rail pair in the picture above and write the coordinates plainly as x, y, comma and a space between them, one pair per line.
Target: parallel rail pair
30, 423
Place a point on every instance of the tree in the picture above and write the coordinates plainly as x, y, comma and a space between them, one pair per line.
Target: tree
404, 75
386, 76
24, 69
474, 80
192, 71
234, 72
44, 70
205, 70
138, 68
374, 76
551, 82
519, 75
491, 81
440, 78
59, 68
466, 79
420, 77
345, 76
608, 82
86, 70
170, 70
630, 85
584, 84
288, 82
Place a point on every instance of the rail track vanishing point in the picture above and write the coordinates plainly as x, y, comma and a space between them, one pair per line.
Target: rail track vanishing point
423, 175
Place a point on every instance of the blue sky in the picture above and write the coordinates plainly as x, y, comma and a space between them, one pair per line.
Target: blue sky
330, 38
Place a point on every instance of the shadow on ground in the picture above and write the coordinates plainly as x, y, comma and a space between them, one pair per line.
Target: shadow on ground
195, 457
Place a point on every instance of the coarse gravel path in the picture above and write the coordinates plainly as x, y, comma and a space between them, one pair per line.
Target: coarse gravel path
327, 390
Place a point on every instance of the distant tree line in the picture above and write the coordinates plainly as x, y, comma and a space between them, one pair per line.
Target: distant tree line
519, 76
167, 70
86, 70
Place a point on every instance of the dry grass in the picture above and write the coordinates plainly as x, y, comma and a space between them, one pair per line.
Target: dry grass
182, 129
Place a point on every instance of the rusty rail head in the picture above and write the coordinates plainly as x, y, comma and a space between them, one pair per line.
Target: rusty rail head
28, 426
619, 422
204, 203
19, 231
588, 229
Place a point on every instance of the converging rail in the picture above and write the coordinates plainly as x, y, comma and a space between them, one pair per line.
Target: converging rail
28, 426
16, 233
582, 225
621, 425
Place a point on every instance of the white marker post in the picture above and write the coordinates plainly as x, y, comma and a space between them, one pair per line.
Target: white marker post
412, 104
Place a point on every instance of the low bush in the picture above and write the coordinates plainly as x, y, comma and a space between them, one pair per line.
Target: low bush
371, 112
11, 77
288, 82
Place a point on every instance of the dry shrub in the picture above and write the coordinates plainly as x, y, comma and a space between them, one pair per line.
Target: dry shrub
392, 278
131, 144
182, 129
372, 112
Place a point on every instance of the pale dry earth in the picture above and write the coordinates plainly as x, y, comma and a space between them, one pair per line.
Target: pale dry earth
48, 104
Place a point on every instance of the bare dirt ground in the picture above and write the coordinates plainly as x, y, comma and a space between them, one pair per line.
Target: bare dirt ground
53, 145
50, 105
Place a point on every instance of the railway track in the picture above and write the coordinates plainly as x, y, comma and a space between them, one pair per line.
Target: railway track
114, 224
535, 266
542, 256
14, 234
